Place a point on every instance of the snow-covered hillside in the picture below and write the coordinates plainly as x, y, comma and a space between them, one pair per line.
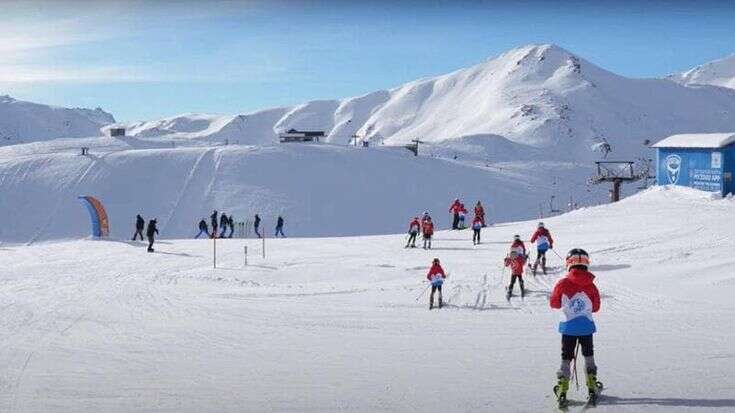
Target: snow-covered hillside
319, 189
719, 72
536, 96
334, 324
22, 121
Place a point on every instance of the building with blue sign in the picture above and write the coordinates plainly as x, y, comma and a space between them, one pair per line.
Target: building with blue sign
699, 160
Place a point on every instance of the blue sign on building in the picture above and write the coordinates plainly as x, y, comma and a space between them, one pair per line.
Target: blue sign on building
701, 161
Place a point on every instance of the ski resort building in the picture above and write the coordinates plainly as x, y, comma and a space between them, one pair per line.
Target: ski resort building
293, 135
703, 161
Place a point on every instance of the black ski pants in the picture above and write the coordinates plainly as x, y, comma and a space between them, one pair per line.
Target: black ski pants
150, 243
476, 235
513, 281
569, 344
412, 238
138, 231
455, 221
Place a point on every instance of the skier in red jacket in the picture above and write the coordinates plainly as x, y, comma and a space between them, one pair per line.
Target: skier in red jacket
480, 212
518, 246
476, 228
577, 297
427, 230
544, 242
413, 230
454, 210
462, 216
516, 262
436, 277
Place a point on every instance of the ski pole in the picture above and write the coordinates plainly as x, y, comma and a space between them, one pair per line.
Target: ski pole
576, 377
555, 253
423, 292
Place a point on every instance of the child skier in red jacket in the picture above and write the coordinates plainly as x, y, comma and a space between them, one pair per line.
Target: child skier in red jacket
427, 230
436, 277
517, 263
577, 297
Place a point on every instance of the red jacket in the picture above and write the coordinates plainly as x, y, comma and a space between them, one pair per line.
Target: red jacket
415, 225
516, 264
436, 270
462, 209
454, 208
577, 296
479, 211
427, 228
519, 247
543, 232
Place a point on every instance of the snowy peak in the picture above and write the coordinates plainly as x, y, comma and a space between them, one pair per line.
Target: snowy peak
716, 73
22, 121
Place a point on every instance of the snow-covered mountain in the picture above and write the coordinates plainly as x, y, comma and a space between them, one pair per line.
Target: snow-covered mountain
719, 72
22, 121
532, 97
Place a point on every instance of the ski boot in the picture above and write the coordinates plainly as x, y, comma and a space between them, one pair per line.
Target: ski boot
441, 303
534, 268
508, 295
560, 391
523, 293
593, 387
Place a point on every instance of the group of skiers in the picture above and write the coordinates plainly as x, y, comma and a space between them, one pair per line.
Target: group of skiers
575, 295
425, 225
224, 222
150, 232
279, 227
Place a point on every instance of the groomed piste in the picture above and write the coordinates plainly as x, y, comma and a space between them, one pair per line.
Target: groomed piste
333, 324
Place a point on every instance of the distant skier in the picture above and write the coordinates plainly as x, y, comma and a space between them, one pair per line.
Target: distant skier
231, 224
577, 297
544, 242
516, 262
462, 216
427, 230
213, 221
139, 226
480, 212
203, 229
454, 210
223, 222
151, 234
256, 225
476, 228
279, 227
413, 230
436, 277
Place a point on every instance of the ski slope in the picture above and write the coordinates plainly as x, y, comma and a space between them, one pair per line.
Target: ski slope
332, 324
320, 189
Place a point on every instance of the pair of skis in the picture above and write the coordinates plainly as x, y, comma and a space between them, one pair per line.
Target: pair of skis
592, 398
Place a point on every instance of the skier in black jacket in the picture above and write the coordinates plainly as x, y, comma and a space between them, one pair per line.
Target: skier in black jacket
139, 225
279, 227
256, 225
231, 223
214, 223
151, 233
203, 229
223, 222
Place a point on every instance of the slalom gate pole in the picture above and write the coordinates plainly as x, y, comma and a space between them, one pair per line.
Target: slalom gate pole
214, 252
245, 250
263, 244
423, 291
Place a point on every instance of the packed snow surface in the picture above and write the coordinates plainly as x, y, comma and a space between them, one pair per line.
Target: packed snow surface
333, 324
697, 140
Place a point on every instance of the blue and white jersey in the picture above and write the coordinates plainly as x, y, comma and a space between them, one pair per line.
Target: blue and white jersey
542, 243
576, 315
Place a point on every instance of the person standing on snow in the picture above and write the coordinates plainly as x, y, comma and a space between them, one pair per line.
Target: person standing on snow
462, 215
454, 210
544, 242
516, 262
413, 230
151, 234
577, 297
213, 219
139, 226
480, 212
231, 224
436, 277
256, 225
427, 230
223, 221
476, 228
203, 229
279, 227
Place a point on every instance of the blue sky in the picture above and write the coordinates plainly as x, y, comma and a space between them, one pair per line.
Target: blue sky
143, 60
